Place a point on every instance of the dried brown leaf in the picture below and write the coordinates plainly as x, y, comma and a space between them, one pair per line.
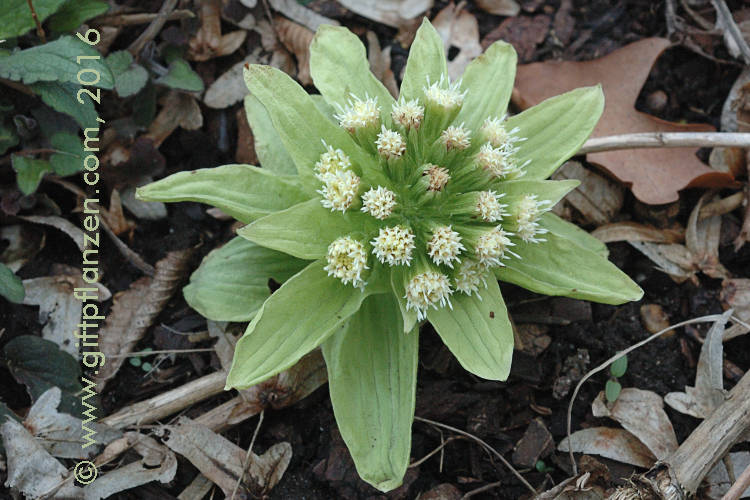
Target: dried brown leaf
297, 39
736, 294
642, 414
702, 238
229, 88
617, 444
672, 259
178, 110
67, 227
301, 14
134, 310
115, 217
634, 231
389, 12
380, 63
208, 42
655, 175
500, 7
597, 198
523, 32
223, 462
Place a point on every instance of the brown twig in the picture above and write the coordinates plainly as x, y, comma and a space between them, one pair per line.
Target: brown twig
740, 485
725, 20
39, 29
666, 140
119, 20
153, 29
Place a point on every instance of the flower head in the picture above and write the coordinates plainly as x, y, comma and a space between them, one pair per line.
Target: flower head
331, 162
390, 144
529, 209
444, 95
339, 190
491, 247
469, 276
494, 131
347, 260
444, 246
428, 289
489, 207
394, 245
438, 177
359, 113
378, 202
456, 137
408, 114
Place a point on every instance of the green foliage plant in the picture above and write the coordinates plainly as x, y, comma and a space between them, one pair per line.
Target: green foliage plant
378, 215
613, 387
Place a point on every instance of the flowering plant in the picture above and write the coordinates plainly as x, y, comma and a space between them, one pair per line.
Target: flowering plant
377, 214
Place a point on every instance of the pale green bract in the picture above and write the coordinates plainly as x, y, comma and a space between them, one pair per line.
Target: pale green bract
400, 211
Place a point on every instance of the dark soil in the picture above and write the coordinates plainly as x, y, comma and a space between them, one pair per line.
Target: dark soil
498, 413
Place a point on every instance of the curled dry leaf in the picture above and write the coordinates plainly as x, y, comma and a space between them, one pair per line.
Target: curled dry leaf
208, 42
115, 217
642, 414
458, 28
230, 87
655, 175
736, 294
655, 319
702, 399
672, 259
393, 13
301, 14
225, 463
135, 309
634, 231
296, 38
380, 63
500, 7
63, 225
157, 463
597, 198
62, 435
31, 469
59, 309
22, 245
617, 444
178, 110
702, 237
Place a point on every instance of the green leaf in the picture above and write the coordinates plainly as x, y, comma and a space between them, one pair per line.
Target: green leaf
426, 60
612, 390
62, 97
268, 147
56, 61
232, 281
15, 16
29, 172
70, 158
559, 266
397, 286
555, 129
130, 78
74, 13
339, 68
477, 331
552, 191
304, 230
571, 232
293, 321
242, 191
40, 364
372, 377
181, 76
299, 123
488, 80
619, 366
8, 137
11, 286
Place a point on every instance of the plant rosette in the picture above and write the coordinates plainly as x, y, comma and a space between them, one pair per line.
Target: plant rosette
378, 214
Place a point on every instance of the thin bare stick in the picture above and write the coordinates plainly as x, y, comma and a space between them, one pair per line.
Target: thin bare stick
739, 486
485, 446
39, 29
140, 18
166, 351
703, 319
666, 140
725, 20
436, 450
481, 489
154, 28
247, 456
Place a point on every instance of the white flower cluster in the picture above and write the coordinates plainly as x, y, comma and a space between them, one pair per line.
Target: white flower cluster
469, 246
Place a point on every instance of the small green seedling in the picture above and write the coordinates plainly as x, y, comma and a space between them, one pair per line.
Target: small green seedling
378, 214
137, 362
617, 369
